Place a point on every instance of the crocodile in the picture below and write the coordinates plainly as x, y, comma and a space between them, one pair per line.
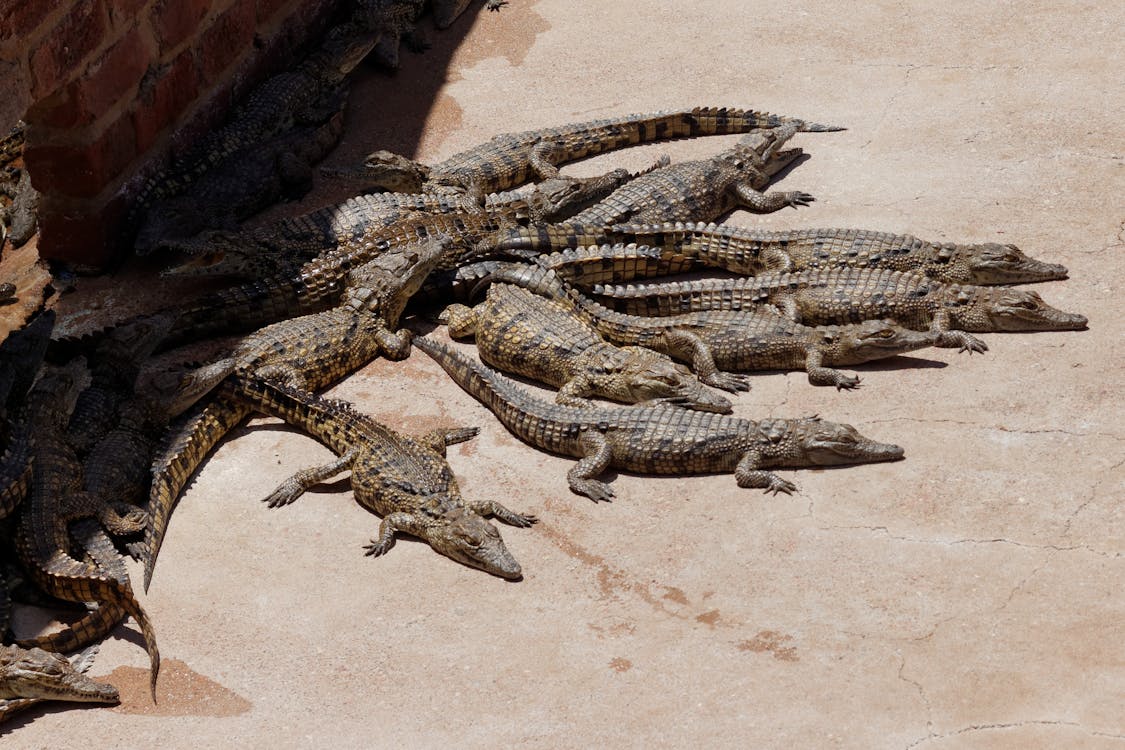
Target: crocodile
21, 355
706, 189
55, 498
751, 251
310, 353
404, 479
302, 96
19, 220
512, 159
316, 284
114, 365
394, 21
660, 439
714, 342
285, 244
251, 180
518, 332
846, 295
31, 675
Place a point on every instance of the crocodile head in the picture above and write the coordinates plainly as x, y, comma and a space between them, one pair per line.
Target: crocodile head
873, 339
1013, 310
385, 170
759, 152
387, 283
818, 442
465, 536
222, 253
35, 673
991, 263
647, 376
175, 218
562, 197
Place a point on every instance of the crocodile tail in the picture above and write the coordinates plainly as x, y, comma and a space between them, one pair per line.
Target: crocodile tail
187, 444
15, 467
92, 628
496, 392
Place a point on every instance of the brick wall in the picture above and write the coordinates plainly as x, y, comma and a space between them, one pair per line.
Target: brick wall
112, 88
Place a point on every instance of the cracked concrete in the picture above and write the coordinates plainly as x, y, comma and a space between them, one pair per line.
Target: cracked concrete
968, 596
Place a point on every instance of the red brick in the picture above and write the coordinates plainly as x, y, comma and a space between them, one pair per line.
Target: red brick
230, 37
165, 93
176, 20
109, 79
85, 236
267, 9
82, 171
74, 38
18, 18
124, 13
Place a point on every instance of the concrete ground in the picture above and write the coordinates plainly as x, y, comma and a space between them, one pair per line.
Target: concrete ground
968, 596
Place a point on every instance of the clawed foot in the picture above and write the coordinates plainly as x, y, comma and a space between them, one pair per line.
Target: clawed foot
727, 381
377, 548
495, 4
779, 485
599, 492
847, 382
963, 342
281, 497
797, 198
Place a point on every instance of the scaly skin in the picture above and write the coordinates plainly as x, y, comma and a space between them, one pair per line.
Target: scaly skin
114, 365
54, 501
705, 189
405, 480
715, 341
327, 346
512, 159
519, 332
251, 180
277, 105
394, 21
28, 676
660, 439
753, 251
837, 296
311, 353
285, 245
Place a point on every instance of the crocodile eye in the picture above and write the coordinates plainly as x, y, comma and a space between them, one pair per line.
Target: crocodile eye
469, 539
1028, 304
886, 333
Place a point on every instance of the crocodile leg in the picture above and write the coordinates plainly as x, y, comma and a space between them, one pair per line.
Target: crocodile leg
438, 440
820, 375
510, 517
689, 347
598, 454
949, 339
764, 203
392, 522
749, 474
296, 485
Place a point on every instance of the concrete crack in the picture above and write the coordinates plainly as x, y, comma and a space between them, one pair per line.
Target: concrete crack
991, 540
998, 427
1016, 725
921, 695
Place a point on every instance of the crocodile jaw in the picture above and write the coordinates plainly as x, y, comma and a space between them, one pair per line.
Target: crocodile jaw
35, 673
1019, 310
823, 443
466, 537
1007, 264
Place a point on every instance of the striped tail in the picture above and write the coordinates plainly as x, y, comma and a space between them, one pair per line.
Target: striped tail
186, 447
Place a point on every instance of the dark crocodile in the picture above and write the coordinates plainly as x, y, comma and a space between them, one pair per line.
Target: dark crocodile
519, 332
305, 95
660, 439
404, 479
250, 180
55, 499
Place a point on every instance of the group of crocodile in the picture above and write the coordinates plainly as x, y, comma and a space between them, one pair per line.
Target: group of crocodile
566, 281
